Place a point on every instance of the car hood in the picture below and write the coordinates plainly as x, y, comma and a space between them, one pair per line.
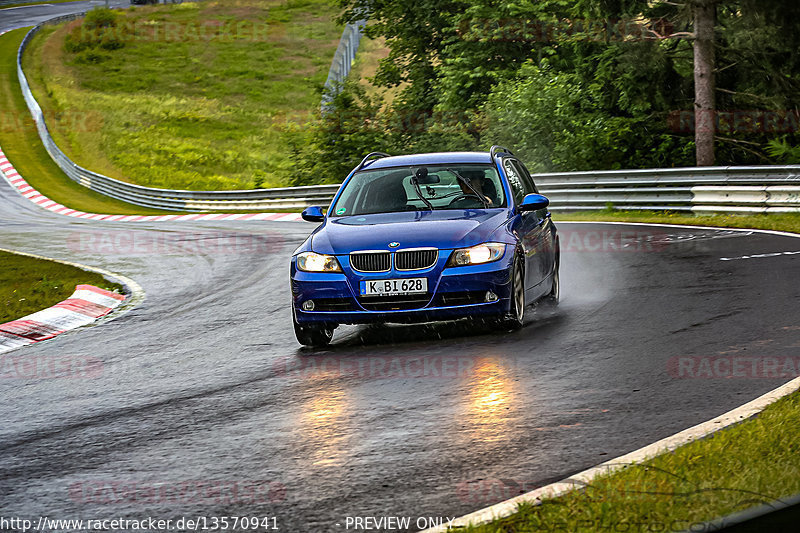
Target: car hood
411, 229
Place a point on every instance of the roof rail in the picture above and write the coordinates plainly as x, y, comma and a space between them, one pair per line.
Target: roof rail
371, 155
497, 148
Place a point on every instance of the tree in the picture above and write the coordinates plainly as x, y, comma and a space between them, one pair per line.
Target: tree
705, 16
621, 71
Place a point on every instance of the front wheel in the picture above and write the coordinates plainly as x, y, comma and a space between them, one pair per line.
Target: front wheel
313, 334
515, 317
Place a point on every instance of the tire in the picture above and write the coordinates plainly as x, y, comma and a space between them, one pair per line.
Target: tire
515, 317
316, 335
555, 293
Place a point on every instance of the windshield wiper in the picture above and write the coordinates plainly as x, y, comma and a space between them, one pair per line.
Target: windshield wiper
418, 190
466, 182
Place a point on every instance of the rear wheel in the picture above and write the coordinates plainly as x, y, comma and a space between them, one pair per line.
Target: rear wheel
313, 334
515, 317
555, 292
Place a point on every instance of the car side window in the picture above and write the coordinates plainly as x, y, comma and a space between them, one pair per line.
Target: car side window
514, 179
527, 180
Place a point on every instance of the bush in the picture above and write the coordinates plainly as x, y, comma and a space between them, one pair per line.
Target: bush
558, 123
326, 149
101, 28
100, 18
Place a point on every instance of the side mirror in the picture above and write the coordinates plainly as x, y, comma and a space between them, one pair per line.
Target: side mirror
313, 214
534, 202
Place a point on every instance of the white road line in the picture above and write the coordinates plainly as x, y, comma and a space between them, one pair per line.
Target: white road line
759, 256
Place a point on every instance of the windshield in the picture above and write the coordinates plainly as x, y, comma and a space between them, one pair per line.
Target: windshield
392, 189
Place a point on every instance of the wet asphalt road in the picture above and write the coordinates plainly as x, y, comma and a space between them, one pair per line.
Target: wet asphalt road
205, 382
19, 17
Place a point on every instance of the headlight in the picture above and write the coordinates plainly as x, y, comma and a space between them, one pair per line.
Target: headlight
482, 253
314, 262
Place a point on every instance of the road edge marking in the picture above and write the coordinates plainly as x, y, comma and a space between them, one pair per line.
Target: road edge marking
134, 297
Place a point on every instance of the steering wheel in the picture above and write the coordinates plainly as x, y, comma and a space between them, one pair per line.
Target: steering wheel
465, 195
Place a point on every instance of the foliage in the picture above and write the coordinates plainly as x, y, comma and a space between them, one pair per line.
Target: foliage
326, 149
569, 84
585, 84
323, 149
100, 28
557, 121
783, 152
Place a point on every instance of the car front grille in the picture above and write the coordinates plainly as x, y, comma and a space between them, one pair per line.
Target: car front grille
415, 259
403, 260
371, 261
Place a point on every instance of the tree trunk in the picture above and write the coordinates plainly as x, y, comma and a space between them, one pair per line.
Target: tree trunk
705, 14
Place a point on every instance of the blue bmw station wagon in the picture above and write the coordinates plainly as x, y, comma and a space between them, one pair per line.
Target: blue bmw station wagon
425, 237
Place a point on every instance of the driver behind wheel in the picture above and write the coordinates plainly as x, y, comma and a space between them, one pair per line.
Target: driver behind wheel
483, 186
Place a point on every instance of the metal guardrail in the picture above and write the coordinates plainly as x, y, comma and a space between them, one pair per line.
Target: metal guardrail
755, 189
717, 189
342, 60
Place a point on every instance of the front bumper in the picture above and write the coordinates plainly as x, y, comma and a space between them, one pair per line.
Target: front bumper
455, 292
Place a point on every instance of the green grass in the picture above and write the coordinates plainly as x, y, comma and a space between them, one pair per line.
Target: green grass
370, 53
755, 462
173, 109
28, 284
21, 144
775, 221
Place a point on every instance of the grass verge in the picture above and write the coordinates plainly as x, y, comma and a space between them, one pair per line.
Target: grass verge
22, 146
736, 468
755, 462
189, 96
28, 284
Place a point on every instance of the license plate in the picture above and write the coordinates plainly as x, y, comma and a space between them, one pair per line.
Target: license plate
394, 287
